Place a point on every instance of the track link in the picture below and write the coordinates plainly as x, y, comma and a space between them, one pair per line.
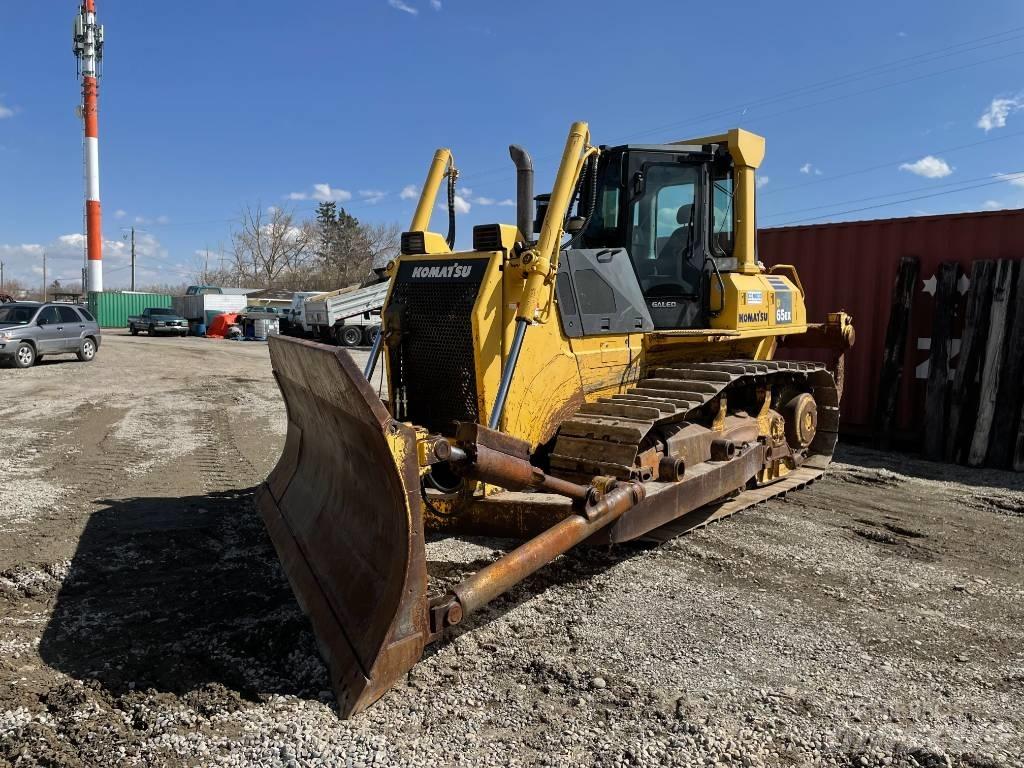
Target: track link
605, 437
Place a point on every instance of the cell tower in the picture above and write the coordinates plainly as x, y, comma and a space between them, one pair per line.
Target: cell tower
87, 43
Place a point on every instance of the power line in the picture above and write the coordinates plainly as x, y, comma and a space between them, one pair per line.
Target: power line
1003, 177
890, 164
784, 95
894, 202
927, 57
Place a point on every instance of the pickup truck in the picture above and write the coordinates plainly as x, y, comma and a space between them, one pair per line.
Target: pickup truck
156, 320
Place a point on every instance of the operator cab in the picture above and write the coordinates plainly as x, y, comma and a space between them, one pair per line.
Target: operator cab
667, 210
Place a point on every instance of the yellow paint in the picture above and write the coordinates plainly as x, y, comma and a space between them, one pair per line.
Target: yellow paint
556, 374
442, 163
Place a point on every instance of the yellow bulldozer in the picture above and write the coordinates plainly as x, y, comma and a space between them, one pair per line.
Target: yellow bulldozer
601, 371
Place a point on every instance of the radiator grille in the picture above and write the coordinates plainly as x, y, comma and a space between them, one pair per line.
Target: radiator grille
433, 374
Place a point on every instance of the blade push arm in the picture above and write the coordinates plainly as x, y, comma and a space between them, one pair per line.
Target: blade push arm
540, 263
442, 164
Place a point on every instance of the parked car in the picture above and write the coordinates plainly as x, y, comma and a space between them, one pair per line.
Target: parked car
156, 320
29, 330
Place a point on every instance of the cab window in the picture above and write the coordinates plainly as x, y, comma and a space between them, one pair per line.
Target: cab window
665, 245
723, 213
48, 316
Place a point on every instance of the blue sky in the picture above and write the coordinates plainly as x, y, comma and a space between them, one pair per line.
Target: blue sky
209, 106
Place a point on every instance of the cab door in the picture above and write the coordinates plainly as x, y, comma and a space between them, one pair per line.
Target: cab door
667, 236
49, 333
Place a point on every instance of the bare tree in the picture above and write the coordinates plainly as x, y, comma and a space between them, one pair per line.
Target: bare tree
272, 249
383, 241
17, 290
269, 245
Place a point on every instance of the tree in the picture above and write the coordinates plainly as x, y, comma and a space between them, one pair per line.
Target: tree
272, 249
17, 290
268, 247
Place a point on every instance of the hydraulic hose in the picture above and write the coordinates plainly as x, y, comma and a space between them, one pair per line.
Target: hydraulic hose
591, 179
453, 174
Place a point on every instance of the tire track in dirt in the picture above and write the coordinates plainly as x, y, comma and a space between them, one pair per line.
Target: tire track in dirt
97, 468
221, 463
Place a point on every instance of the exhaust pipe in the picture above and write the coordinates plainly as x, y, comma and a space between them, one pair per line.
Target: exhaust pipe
524, 189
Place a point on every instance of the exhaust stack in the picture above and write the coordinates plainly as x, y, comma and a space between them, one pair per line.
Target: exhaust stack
524, 189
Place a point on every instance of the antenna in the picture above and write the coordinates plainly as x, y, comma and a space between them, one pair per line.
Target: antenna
87, 44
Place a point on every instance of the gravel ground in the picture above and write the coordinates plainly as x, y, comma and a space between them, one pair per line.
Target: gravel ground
876, 618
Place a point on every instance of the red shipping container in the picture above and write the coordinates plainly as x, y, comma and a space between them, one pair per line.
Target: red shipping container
852, 266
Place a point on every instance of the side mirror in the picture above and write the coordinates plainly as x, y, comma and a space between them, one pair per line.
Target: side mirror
639, 183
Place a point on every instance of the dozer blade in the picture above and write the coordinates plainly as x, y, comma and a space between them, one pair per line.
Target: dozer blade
343, 510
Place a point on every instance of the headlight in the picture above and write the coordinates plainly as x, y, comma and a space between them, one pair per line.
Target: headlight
6, 334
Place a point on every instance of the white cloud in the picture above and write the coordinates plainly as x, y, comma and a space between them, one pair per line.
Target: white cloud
992, 205
163, 219
1017, 179
65, 254
901, 34
323, 193
998, 110
435, 4
484, 200
409, 192
929, 166
508, 202
462, 205
5, 111
762, 180
271, 209
398, 5
120, 213
372, 196
141, 220
809, 169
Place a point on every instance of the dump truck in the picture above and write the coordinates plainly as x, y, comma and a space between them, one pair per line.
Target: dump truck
604, 370
294, 322
348, 316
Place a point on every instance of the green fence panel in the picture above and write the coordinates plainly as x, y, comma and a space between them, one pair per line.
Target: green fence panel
112, 309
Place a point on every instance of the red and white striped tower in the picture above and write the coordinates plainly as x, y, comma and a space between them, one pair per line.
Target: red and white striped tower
88, 48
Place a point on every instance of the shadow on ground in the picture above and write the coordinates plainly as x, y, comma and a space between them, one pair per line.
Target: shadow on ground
181, 594
176, 594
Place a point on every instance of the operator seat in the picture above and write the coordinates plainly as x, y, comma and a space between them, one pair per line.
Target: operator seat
673, 262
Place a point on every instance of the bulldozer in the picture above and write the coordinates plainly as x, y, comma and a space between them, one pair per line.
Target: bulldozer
603, 370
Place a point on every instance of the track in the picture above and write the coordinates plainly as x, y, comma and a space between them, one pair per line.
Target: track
607, 437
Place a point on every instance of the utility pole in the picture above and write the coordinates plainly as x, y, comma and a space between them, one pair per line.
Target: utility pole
133, 258
44, 276
1, 277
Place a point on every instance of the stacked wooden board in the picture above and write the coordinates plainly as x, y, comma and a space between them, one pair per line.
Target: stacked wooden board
974, 408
